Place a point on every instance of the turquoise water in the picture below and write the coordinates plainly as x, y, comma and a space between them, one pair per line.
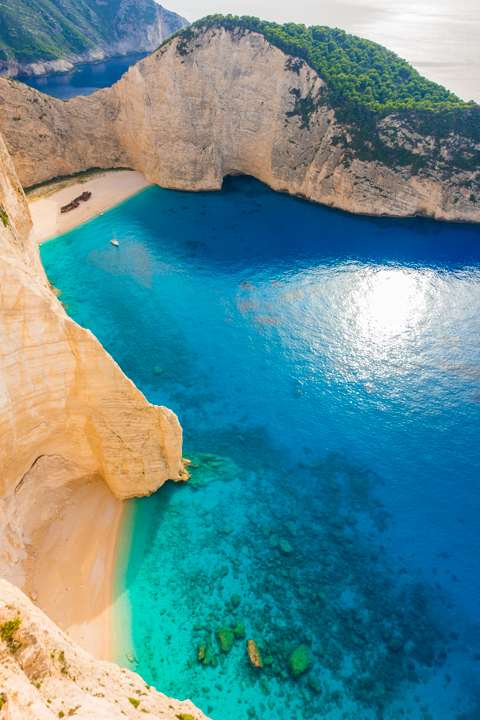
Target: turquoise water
325, 369
85, 79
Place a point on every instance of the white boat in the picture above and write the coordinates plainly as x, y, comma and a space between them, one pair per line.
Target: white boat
114, 241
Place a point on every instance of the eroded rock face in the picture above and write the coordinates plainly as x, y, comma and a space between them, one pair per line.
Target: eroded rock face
43, 673
67, 411
224, 103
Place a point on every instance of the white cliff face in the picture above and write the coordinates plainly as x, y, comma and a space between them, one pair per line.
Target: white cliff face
188, 115
43, 674
64, 403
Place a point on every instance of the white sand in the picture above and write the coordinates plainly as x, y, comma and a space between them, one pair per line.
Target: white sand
107, 190
73, 573
73, 554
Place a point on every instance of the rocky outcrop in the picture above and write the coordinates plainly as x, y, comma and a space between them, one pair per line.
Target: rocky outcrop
67, 411
223, 102
127, 26
44, 675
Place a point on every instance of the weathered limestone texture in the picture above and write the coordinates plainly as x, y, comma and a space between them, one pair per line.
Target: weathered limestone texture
188, 115
43, 673
64, 402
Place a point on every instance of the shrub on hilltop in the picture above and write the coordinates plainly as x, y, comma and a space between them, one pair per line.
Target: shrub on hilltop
366, 83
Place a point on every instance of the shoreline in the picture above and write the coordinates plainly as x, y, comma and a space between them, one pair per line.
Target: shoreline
121, 645
108, 190
72, 579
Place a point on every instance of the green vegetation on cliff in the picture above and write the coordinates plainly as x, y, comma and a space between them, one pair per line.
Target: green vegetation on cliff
366, 83
43, 30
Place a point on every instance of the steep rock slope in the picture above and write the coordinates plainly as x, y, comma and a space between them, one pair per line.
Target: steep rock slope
44, 675
55, 35
65, 405
220, 102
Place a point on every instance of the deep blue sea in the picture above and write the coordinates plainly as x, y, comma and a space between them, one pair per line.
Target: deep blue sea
85, 79
326, 371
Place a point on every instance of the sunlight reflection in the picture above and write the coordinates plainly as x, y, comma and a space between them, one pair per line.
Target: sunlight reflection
389, 303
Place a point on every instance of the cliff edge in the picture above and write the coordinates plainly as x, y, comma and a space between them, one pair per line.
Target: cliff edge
67, 411
219, 101
51, 36
44, 675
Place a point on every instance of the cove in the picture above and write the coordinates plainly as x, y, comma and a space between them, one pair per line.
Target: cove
325, 369
85, 79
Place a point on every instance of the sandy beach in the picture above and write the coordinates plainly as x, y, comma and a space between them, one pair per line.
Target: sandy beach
72, 578
108, 189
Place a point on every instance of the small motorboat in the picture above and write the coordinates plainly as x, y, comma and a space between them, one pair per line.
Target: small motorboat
114, 241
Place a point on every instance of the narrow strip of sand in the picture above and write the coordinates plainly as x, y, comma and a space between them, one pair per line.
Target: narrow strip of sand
73, 574
108, 189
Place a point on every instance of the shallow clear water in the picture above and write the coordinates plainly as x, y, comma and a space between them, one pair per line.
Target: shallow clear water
85, 79
325, 369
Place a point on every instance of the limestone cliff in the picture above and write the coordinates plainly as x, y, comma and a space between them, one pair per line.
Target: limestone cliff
44, 675
64, 402
222, 102
51, 36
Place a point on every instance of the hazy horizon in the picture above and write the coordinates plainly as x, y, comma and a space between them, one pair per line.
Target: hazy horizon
440, 39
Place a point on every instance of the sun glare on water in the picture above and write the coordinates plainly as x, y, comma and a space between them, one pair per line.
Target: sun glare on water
389, 303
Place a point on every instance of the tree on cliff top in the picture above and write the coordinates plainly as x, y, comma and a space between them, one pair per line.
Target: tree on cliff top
365, 84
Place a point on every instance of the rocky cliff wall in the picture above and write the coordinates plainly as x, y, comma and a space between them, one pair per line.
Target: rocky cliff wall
223, 102
130, 26
44, 675
64, 402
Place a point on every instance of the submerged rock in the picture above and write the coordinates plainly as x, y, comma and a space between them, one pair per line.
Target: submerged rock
273, 541
209, 656
225, 529
225, 637
201, 653
315, 684
239, 631
285, 546
301, 660
265, 687
396, 644
254, 654
236, 600
205, 467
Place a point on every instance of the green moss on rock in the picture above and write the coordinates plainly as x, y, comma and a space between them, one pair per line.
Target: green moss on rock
239, 631
225, 637
4, 216
301, 660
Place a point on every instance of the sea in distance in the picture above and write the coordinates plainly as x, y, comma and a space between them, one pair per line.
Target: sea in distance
85, 79
325, 368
